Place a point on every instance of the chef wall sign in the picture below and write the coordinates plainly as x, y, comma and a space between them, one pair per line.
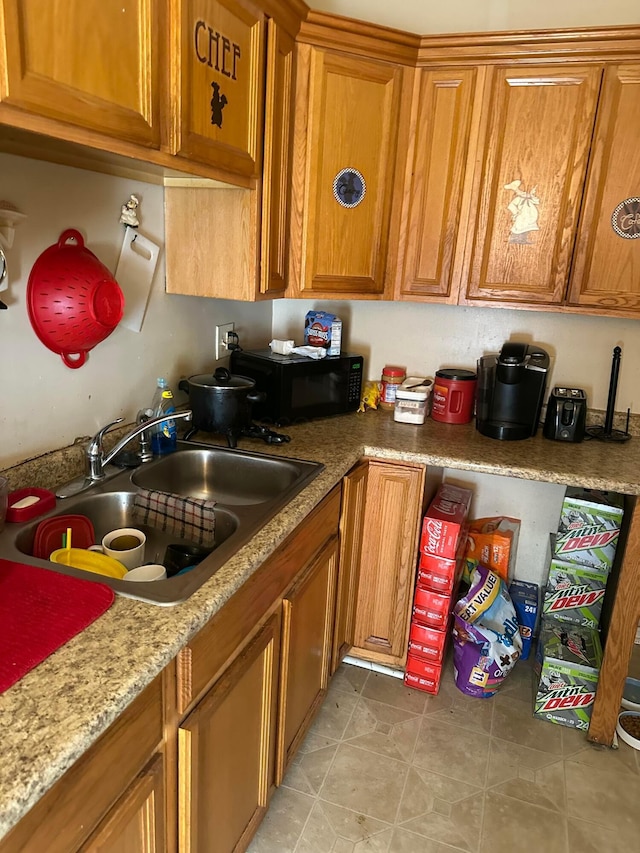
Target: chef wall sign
219, 53
226, 46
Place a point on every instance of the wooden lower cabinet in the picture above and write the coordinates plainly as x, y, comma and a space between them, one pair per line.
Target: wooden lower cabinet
391, 521
226, 749
136, 823
354, 489
112, 798
307, 616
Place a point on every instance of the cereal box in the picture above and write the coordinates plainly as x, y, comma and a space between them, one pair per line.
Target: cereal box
322, 329
568, 664
525, 598
445, 522
589, 527
574, 593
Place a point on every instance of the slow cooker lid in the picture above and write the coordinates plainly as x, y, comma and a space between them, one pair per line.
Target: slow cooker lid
222, 378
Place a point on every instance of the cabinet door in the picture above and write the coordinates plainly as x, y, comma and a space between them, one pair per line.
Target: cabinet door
538, 130
276, 172
606, 271
219, 78
354, 488
226, 750
94, 65
388, 562
307, 621
349, 173
135, 824
437, 169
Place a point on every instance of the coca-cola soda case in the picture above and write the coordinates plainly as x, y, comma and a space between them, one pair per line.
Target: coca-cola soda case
445, 521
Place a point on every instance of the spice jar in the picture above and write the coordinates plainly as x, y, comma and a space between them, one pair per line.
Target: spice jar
392, 377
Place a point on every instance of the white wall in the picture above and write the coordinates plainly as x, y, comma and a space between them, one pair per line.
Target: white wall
46, 405
422, 17
424, 338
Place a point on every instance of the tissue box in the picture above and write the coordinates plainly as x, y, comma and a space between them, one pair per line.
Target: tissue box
322, 329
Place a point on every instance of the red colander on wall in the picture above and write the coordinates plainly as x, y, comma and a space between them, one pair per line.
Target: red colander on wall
73, 300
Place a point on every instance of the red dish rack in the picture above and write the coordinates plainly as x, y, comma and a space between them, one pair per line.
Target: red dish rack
442, 546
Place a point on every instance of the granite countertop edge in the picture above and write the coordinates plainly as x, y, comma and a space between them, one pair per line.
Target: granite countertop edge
59, 709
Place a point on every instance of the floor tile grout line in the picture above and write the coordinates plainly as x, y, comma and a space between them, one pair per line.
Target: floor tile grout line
317, 798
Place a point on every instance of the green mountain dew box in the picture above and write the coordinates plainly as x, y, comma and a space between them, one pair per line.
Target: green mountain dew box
573, 593
589, 527
568, 663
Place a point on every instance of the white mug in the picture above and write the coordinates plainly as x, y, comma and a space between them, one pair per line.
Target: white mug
126, 544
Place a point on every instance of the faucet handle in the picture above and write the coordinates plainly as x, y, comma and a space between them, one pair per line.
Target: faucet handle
95, 445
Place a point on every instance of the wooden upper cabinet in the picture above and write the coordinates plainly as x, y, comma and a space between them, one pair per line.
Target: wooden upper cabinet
436, 172
92, 65
606, 271
538, 123
347, 117
217, 83
276, 173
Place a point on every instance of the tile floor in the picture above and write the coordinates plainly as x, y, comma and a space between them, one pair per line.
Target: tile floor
388, 769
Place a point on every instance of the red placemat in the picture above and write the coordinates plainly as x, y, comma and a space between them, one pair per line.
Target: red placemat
41, 611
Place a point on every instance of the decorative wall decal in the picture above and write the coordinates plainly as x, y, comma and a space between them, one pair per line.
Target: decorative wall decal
218, 103
523, 207
349, 187
625, 219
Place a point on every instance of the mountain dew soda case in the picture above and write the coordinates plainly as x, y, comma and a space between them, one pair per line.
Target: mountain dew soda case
589, 527
574, 593
568, 665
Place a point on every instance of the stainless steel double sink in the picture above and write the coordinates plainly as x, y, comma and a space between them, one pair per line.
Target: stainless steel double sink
249, 489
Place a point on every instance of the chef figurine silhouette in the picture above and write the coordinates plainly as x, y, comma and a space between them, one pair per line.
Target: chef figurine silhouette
218, 103
129, 212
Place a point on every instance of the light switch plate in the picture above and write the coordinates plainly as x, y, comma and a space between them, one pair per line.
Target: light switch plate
221, 339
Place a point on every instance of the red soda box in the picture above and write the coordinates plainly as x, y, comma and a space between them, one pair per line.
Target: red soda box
438, 573
431, 608
423, 675
427, 643
445, 521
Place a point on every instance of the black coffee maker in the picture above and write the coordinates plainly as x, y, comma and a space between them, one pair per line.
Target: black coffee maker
510, 391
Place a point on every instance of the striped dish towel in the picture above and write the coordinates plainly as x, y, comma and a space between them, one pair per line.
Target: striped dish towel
187, 518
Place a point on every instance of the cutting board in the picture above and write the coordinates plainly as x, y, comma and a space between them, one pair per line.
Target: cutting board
40, 611
134, 274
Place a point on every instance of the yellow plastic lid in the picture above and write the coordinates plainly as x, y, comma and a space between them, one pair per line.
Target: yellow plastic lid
89, 561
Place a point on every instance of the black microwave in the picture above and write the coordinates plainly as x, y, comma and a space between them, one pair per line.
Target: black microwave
298, 388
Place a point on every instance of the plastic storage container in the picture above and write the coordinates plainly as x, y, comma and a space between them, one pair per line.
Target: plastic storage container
413, 399
392, 377
164, 436
453, 395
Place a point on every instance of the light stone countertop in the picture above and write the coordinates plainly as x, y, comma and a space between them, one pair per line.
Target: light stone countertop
59, 709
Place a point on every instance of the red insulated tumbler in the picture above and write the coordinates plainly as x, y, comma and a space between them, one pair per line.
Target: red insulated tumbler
454, 393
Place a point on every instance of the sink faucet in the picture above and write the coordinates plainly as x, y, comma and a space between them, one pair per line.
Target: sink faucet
95, 456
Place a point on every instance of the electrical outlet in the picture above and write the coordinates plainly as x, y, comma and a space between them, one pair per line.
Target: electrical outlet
221, 339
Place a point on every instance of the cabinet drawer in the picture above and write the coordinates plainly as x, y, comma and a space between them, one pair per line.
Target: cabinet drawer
69, 812
205, 656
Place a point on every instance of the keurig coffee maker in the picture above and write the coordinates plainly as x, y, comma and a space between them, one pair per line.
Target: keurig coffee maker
510, 391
